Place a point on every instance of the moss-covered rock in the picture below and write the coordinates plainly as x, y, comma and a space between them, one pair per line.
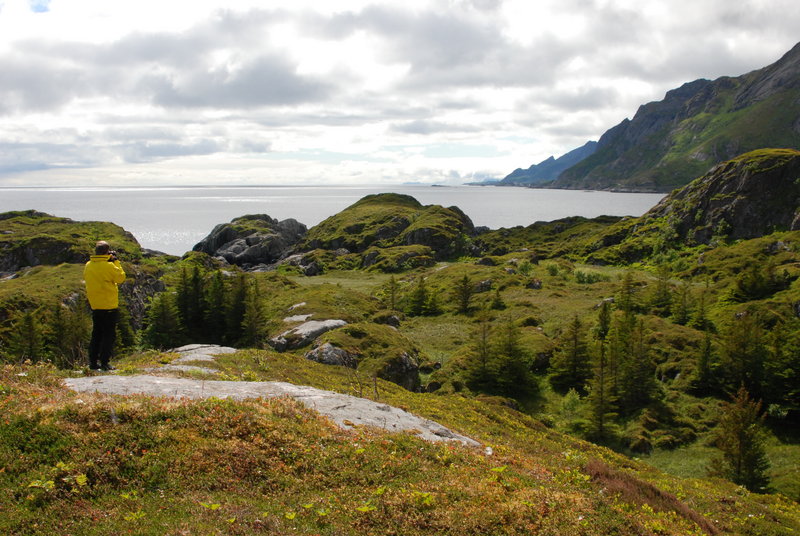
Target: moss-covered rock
30, 238
391, 220
376, 350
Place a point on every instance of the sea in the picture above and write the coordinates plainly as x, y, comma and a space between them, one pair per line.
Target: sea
172, 219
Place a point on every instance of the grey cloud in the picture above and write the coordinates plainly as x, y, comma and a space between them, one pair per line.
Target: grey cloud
148, 152
454, 49
583, 98
162, 68
127, 133
269, 80
37, 85
20, 157
426, 127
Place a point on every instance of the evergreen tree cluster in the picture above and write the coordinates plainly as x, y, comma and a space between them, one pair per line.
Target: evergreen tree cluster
498, 363
59, 334
208, 308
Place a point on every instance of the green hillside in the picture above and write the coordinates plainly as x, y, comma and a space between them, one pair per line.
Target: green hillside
596, 359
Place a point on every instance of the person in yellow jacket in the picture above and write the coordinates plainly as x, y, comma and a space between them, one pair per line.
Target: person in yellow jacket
102, 275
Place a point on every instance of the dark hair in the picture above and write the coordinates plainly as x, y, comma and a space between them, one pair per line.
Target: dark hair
102, 248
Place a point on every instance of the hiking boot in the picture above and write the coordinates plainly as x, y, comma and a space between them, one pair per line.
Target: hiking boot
107, 368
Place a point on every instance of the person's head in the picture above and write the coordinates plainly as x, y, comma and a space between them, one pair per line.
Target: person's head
102, 248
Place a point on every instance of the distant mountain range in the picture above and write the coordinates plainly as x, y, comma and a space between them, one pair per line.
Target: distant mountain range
548, 170
669, 143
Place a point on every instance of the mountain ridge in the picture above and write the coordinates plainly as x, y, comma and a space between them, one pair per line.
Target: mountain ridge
670, 142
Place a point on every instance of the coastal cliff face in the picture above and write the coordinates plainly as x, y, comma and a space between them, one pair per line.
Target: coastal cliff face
669, 143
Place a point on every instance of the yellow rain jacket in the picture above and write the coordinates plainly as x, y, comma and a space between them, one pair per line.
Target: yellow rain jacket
102, 277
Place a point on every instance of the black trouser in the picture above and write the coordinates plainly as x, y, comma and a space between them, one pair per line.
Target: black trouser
104, 333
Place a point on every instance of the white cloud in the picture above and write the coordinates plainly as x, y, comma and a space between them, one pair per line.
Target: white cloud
346, 91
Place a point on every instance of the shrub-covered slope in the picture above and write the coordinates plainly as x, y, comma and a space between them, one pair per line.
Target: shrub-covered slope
93, 464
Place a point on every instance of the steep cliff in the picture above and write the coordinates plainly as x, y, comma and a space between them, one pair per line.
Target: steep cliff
702, 123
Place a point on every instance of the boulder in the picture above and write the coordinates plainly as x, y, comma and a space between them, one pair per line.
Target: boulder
403, 370
304, 334
328, 354
252, 240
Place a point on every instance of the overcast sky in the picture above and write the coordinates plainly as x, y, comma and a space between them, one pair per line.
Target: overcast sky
309, 92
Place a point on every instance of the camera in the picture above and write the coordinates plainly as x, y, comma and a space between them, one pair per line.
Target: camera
112, 256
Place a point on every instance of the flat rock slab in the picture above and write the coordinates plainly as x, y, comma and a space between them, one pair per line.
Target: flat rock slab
345, 410
200, 352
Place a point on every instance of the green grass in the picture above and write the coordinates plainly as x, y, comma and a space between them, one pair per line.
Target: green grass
692, 461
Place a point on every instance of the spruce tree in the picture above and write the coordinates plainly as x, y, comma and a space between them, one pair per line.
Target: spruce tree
497, 301
214, 321
571, 367
626, 299
741, 439
637, 381
235, 308
601, 402
433, 304
69, 333
681, 304
254, 320
418, 300
463, 294
126, 335
783, 366
391, 293
477, 373
26, 341
661, 298
512, 375
189, 294
743, 354
163, 329
700, 318
704, 381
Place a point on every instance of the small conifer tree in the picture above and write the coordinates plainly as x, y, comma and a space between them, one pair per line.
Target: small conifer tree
418, 300
463, 294
741, 441
26, 341
254, 320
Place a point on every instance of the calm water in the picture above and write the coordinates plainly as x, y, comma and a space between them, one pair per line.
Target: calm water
173, 219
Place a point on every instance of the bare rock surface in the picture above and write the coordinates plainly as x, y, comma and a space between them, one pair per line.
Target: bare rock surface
304, 334
345, 410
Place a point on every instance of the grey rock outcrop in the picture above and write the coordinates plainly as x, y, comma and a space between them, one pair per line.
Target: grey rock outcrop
345, 410
403, 370
304, 334
328, 354
253, 240
747, 197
